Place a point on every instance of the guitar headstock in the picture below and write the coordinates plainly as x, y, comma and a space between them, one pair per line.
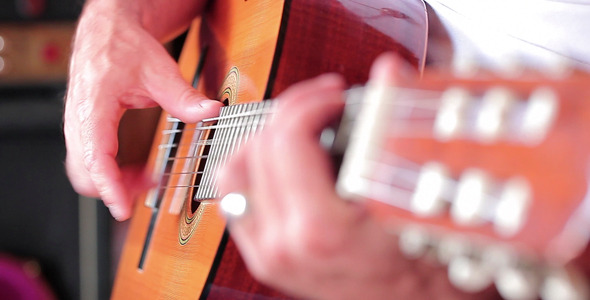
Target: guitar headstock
492, 173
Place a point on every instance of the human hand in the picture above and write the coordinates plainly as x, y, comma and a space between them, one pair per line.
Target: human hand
297, 235
117, 65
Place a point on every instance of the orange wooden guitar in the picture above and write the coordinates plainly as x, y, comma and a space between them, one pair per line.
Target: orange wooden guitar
486, 175
239, 52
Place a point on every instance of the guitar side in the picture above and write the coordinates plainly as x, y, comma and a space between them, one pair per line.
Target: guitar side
246, 51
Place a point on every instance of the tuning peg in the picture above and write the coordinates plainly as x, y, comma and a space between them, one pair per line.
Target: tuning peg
468, 274
512, 207
470, 204
427, 199
413, 242
491, 119
451, 114
518, 282
539, 115
451, 247
497, 256
564, 284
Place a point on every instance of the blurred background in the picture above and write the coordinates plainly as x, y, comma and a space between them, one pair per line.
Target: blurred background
53, 245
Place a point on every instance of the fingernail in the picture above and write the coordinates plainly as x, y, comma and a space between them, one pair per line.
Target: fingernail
331, 79
210, 103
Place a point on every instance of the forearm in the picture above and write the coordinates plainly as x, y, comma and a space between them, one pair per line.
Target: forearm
163, 19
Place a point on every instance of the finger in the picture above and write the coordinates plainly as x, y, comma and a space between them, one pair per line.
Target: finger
389, 69
98, 137
265, 190
273, 167
246, 173
171, 91
77, 173
307, 90
305, 167
317, 219
235, 177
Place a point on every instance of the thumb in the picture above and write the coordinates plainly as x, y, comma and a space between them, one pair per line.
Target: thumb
171, 91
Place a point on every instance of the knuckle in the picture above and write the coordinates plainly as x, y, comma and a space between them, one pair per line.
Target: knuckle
79, 178
89, 158
82, 184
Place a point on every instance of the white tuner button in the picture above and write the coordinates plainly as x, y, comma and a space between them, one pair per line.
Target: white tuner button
427, 199
512, 207
515, 283
451, 115
492, 117
562, 284
468, 274
413, 242
451, 247
469, 206
539, 115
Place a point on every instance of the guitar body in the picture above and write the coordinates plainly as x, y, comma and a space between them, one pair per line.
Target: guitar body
244, 51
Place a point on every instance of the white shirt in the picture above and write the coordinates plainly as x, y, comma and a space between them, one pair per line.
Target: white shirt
536, 33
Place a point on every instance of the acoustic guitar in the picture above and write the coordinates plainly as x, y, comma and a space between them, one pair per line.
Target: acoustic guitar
487, 175
241, 52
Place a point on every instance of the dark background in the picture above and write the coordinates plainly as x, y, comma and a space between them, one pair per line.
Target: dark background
39, 211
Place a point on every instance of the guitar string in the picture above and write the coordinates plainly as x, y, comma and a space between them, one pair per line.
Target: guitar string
238, 137
229, 140
247, 122
409, 126
240, 126
193, 159
405, 179
214, 152
397, 189
234, 137
354, 97
424, 103
189, 164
